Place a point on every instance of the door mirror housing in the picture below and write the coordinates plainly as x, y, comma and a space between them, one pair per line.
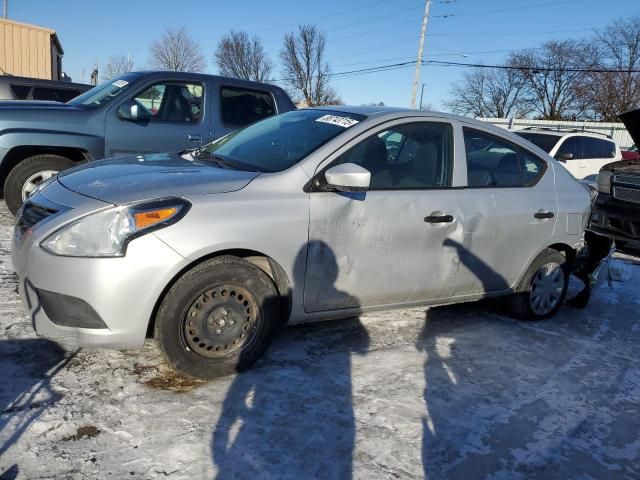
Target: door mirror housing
133, 112
563, 157
348, 177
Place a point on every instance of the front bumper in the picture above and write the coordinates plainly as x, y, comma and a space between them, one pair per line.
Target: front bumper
117, 295
615, 219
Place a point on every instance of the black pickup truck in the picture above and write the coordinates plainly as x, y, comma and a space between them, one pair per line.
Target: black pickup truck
137, 113
616, 210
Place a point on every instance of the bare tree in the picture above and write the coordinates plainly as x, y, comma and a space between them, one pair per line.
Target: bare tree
607, 94
307, 72
553, 86
239, 56
484, 92
176, 51
116, 66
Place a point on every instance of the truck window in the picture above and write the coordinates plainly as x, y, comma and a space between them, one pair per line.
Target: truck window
173, 101
240, 107
21, 92
55, 94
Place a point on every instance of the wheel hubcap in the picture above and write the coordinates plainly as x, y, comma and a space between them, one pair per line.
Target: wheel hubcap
34, 180
219, 321
546, 288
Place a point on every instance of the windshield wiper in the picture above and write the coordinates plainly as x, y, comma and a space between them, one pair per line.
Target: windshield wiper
231, 164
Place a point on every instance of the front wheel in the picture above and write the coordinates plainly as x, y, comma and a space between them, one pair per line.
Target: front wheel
218, 318
543, 287
25, 177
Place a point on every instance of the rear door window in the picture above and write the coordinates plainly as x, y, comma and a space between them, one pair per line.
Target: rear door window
597, 148
495, 162
240, 107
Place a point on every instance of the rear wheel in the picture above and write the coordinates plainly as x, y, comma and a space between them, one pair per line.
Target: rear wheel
543, 287
218, 318
25, 177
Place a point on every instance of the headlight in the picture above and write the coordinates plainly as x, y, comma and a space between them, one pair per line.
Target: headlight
604, 182
107, 233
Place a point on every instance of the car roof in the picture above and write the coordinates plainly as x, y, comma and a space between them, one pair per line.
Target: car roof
565, 133
391, 113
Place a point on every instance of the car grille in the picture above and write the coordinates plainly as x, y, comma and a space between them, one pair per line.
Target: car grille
626, 194
627, 180
30, 215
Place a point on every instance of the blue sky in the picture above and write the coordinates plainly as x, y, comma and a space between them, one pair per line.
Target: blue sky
360, 33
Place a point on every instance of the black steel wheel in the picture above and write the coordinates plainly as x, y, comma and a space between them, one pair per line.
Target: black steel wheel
217, 318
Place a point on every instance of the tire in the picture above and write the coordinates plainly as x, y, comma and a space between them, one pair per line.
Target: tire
522, 303
218, 318
29, 168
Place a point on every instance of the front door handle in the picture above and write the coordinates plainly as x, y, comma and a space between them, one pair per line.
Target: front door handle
439, 219
541, 215
195, 138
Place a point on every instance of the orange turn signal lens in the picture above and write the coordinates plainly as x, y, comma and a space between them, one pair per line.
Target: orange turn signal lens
151, 217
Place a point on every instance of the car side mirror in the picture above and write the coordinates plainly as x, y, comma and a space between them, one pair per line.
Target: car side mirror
563, 157
132, 112
348, 177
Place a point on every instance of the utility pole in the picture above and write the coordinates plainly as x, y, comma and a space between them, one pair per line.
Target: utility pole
6, 8
416, 78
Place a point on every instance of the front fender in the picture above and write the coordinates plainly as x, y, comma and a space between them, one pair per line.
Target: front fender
12, 138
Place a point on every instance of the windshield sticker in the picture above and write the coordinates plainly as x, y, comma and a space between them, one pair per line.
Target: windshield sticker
120, 83
345, 122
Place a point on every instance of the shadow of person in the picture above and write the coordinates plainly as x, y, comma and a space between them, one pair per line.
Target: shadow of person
443, 371
491, 280
28, 367
291, 415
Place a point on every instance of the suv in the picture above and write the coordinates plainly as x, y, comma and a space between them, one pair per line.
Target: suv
24, 88
582, 153
136, 113
309, 215
616, 211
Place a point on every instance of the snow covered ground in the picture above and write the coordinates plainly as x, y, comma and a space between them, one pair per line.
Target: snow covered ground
454, 392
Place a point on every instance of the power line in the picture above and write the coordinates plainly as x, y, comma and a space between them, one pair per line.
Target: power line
342, 12
508, 9
507, 34
400, 65
533, 69
359, 22
360, 71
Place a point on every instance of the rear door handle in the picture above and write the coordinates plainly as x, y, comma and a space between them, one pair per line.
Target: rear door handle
194, 138
439, 219
541, 215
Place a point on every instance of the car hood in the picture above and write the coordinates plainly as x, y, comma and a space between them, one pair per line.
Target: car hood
623, 166
143, 177
631, 120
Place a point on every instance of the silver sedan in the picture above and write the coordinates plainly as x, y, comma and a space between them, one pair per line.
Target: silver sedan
312, 214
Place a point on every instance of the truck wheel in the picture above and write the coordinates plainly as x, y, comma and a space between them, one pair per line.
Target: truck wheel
218, 318
543, 287
28, 174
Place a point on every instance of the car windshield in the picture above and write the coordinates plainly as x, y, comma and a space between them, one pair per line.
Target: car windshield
545, 141
279, 142
104, 92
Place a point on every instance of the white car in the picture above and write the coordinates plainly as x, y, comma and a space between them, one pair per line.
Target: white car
582, 153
